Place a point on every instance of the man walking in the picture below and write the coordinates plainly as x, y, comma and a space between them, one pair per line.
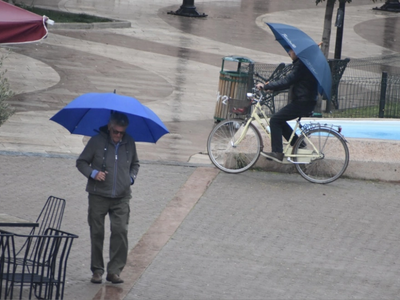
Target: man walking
111, 164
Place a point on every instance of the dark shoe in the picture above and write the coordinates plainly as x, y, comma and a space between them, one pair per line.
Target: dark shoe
96, 278
114, 278
303, 145
276, 156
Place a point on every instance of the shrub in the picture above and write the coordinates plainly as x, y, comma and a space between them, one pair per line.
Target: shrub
5, 93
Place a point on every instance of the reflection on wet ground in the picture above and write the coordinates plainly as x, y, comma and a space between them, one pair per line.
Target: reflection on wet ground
229, 22
179, 79
180, 51
81, 72
186, 55
234, 23
383, 32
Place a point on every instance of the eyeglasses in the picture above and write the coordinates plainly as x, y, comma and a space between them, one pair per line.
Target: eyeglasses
116, 132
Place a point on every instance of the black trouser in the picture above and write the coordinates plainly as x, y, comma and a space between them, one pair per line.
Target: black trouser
279, 126
119, 211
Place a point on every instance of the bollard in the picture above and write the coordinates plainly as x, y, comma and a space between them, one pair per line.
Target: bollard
382, 99
187, 9
390, 5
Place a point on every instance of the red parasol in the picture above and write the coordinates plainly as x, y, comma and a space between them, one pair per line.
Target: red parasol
18, 25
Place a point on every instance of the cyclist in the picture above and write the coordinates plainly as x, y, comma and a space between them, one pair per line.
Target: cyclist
303, 90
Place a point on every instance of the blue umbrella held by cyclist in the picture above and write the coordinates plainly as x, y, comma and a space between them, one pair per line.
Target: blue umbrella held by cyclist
309, 76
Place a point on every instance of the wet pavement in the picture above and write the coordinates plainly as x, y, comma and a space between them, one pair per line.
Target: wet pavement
196, 233
170, 63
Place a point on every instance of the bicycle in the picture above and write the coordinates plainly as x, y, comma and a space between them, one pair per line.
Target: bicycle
320, 153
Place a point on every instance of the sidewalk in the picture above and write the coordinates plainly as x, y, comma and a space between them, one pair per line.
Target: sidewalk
199, 234
196, 233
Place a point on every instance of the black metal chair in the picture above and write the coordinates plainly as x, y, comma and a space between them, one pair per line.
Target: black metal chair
45, 274
50, 216
338, 67
7, 249
281, 71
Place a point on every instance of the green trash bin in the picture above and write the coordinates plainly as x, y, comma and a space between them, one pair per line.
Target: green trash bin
233, 84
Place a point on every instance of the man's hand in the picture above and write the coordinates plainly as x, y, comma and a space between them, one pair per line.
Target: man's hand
101, 176
260, 86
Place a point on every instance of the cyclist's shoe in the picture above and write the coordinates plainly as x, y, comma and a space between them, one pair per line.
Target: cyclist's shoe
303, 145
276, 156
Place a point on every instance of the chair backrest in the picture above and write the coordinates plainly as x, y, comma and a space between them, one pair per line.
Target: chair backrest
50, 216
281, 71
338, 67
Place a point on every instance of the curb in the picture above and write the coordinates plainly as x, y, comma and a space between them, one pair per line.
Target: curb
97, 25
75, 156
370, 167
369, 160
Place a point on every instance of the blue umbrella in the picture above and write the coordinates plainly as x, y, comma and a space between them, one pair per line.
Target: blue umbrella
88, 112
307, 51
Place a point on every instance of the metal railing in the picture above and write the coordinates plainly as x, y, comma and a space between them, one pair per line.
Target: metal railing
368, 97
368, 88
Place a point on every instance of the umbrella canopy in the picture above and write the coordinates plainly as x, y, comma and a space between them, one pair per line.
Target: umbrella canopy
87, 113
307, 51
18, 25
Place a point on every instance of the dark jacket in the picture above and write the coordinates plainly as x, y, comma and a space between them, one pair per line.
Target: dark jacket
122, 165
302, 85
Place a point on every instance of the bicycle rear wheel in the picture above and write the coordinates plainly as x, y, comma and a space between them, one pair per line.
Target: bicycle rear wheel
232, 158
334, 155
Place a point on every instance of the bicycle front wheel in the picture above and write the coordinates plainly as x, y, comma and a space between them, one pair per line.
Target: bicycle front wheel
223, 151
333, 156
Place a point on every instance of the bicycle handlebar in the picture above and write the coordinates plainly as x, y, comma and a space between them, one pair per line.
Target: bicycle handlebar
259, 76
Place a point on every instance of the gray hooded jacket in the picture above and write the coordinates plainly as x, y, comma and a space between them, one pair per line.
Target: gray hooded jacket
120, 162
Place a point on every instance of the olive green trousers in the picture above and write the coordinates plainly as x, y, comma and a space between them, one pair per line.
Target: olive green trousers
118, 210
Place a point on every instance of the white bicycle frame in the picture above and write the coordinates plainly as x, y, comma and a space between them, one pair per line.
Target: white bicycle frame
305, 156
